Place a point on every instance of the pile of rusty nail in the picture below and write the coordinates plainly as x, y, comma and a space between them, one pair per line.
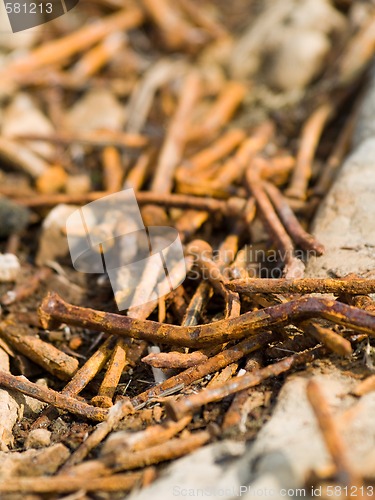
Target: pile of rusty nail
240, 193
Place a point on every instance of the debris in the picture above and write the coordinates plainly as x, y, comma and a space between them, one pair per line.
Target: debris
230, 122
53, 242
38, 438
31, 463
10, 267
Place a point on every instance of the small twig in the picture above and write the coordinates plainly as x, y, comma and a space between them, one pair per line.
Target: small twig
335, 159
199, 300
276, 169
202, 253
189, 222
235, 413
223, 376
358, 53
137, 176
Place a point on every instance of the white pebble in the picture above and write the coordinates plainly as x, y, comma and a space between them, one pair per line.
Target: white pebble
38, 438
9, 267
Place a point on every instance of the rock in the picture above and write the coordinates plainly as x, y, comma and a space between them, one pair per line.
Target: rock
293, 35
22, 116
21, 157
216, 469
278, 460
281, 443
365, 128
10, 267
33, 463
38, 438
9, 409
14, 218
249, 50
98, 109
298, 59
345, 222
53, 240
9, 412
317, 15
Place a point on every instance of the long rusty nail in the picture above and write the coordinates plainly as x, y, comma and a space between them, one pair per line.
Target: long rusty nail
54, 310
189, 405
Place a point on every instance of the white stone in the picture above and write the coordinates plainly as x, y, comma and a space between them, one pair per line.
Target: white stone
38, 438
10, 267
345, 222
298, 59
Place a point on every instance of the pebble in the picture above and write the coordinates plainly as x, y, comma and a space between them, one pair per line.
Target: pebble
10, 267
14, 218
298, 59
38, 438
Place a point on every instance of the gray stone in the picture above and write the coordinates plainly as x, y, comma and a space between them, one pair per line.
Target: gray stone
218, 470
365, 128
345, 222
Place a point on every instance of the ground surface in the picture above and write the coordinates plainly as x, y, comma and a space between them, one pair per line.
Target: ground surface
201, 108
